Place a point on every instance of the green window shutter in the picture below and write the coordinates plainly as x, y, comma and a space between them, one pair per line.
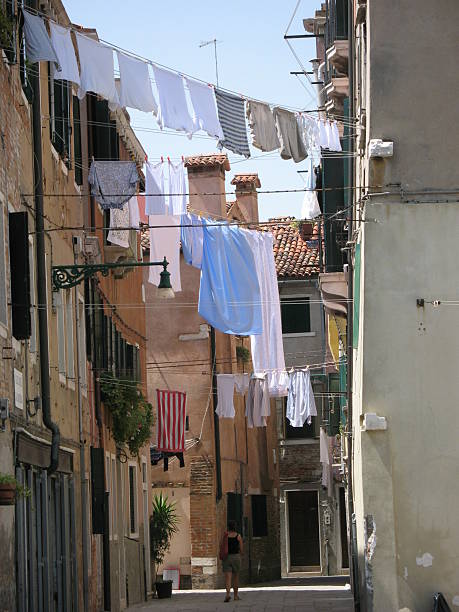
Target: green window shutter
355, 326
77, 154
295, 313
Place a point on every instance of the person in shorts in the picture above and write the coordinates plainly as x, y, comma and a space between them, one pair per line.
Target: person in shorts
232, 563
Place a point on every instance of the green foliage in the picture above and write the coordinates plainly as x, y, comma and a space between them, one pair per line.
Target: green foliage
163, 524
132, 415
242, 354
21, 490
7, 29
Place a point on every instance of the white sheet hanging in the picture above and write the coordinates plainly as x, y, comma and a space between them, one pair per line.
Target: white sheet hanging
97, 70
61, 39
310, 208
301, 405
225, 396
135, 84
177, 188
334, 143
155, 200
173, 108
204, 108
165, 242
134, 214
267, 348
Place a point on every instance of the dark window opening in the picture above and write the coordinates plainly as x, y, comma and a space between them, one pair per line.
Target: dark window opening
132, 494
77, 151
259, 516
20, 274
59, 115
234, 509
296, 317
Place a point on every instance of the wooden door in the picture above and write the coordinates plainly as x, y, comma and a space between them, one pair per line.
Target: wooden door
303, 516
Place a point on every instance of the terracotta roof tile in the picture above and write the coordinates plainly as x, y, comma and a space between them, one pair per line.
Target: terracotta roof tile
246, 179
295, 256
213, 159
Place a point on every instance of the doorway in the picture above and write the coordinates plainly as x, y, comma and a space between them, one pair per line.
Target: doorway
304, 537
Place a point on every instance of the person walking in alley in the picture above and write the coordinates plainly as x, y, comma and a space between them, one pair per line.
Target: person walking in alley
231, 549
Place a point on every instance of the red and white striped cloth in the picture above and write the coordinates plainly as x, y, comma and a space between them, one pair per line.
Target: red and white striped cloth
171, 421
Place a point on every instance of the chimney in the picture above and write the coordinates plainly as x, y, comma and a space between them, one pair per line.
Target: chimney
206, 174
246, 195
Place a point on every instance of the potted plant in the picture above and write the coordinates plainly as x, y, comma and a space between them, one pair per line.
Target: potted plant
163, 524
10, 489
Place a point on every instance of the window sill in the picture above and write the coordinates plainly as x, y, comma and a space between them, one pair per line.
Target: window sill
298, 442
300, 335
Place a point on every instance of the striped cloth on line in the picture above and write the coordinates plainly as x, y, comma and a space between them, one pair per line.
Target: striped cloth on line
231, 114
171, 421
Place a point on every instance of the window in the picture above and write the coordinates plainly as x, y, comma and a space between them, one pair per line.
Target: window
133, 521
295, 312
81, 331
59, 114
114, 499
259, 516
59, 301
69, 335
234, 509
3, 308
77, 152
298, 433
19, 274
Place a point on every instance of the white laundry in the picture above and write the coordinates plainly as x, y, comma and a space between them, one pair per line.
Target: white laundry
165, 242
38, 44
97, 70
309, 130
267, 348
301, 405
135, 84
119, 218
177, 188
324, 457
241, 383
173, 108
204, 108
61, 39
257, 405
134, 214
310, 208
334, 143
323, 134
155, 200
225, 395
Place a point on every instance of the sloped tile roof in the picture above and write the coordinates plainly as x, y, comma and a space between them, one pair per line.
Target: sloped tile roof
246, 179
213, 159
295, 257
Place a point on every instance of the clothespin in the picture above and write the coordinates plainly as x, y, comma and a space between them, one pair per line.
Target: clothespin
183, 159
146, 158
162, 159
168, 159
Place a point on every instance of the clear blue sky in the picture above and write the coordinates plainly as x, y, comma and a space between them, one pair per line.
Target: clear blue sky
253, 60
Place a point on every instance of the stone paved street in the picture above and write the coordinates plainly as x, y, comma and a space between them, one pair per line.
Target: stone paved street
320, 598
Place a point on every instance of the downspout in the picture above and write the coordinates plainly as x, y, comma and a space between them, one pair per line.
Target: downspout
42, 298
353, 570
218, 465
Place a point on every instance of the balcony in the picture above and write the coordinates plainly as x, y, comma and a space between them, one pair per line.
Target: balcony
338, 55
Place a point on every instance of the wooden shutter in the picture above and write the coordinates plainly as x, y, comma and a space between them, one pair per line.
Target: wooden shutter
77, 152
98, 489
20, 274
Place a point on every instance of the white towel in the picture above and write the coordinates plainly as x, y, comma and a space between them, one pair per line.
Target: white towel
334, 143
154, 184
225, 395
165, 242
134, 214
177, 188
61, 39
204, 108
97, 70
173, 108
135, 84
119, 218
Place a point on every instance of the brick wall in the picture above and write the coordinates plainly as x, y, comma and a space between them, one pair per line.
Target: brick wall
300, 463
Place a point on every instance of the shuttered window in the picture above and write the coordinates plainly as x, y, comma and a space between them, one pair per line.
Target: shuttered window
19, 274
60, 314
81, 331
259, 516
69, 335
77, 152
133, 500
296, 317
59, 115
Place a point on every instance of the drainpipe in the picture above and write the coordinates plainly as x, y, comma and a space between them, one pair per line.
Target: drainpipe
353, 560
218, 465
41, 274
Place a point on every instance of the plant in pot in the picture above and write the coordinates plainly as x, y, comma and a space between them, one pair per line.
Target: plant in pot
10, 489
163, 524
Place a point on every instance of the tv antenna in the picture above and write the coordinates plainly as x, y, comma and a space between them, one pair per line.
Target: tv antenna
213, 42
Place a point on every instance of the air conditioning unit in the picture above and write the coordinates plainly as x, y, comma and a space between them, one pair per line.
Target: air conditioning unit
92, 249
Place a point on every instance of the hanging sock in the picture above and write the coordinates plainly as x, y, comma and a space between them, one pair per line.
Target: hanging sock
191, 238
37, 42
171, 421
173, 110
267, 348
225, 395
155, 200
301, 405
61, 39
229, 295
257, 405
292, 146
262, 126
177, 188
96, 70
205, 110
113, 182
231, 114
135, 84
165, 242
119, 217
